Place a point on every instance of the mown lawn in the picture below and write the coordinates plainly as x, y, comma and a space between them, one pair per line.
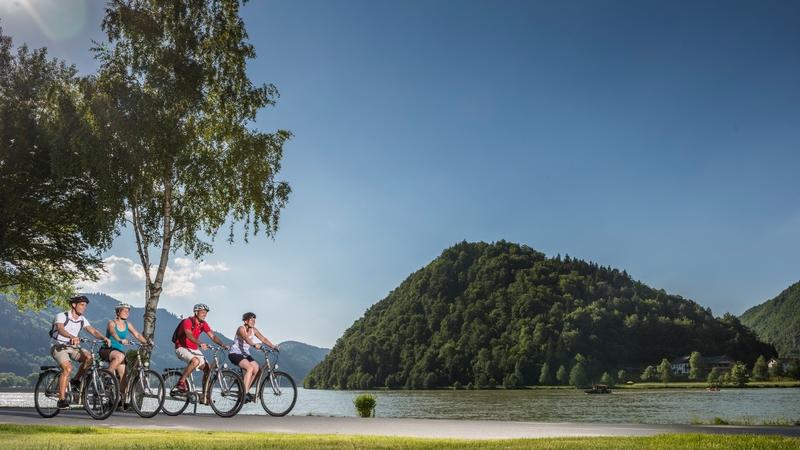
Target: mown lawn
52, 437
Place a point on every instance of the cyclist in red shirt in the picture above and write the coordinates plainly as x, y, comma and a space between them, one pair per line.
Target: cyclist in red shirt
186, 346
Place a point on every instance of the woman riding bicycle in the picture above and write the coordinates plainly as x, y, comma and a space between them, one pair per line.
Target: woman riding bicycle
239, 353
117, 332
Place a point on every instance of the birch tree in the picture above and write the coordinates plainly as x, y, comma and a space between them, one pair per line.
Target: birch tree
175, 106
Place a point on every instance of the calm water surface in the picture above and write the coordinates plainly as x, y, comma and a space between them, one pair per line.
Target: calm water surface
623, 406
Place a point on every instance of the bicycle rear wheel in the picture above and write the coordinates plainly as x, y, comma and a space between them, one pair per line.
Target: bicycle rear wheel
147, 393
278, 394
227, 393
101, 394
45, 397
173, 405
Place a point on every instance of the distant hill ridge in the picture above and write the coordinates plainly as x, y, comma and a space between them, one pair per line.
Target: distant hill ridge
777, 321
25, 344
492, 314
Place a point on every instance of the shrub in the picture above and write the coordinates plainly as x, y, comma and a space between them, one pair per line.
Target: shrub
365, 405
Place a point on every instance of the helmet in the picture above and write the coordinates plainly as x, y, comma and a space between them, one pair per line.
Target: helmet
200, 307
78, 299
248, 315
121, 306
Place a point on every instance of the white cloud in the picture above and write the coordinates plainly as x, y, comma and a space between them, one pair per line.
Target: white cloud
124, 279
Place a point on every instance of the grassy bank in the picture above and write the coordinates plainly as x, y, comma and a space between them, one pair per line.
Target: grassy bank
50, 437
685, 385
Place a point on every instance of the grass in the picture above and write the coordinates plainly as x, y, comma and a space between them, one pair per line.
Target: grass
53, 437
747, 422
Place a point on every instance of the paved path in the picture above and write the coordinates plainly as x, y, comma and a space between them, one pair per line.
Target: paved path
426, 428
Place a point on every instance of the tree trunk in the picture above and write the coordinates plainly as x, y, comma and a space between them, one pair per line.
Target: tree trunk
155, 287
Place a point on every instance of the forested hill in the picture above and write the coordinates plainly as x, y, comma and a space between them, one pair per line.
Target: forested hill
495, 313
777, 321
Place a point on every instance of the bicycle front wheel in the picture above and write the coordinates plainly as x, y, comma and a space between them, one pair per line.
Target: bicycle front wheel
45, 397
227, 393
173, 404
101, 394
278, 394
147, 393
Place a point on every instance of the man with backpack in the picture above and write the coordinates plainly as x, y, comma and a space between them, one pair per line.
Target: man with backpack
186, 339
65, 345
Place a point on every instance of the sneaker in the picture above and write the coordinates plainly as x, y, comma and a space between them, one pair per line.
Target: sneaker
248, 398
126, 406
179, 389
76, 385
63, 404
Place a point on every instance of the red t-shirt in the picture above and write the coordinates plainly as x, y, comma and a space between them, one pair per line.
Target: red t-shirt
199, 327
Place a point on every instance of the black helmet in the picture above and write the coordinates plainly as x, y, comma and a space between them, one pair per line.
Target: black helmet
201, 307
78, 299
248, 315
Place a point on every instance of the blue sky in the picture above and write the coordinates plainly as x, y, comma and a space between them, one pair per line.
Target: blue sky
656, 137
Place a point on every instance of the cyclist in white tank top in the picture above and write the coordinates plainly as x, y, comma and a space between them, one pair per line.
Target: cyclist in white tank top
239, 352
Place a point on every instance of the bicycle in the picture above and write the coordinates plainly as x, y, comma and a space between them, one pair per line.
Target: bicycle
145, 388
223, 390
98, 391
277, 391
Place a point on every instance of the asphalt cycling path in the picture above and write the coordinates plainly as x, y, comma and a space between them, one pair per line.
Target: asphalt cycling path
420, 428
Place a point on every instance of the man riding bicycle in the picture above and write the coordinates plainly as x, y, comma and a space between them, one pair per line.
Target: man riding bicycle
65, 345
187, 343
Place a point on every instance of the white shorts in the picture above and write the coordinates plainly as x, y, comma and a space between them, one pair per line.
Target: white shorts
186, 355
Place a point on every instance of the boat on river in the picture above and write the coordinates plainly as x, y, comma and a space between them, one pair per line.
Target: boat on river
598, 389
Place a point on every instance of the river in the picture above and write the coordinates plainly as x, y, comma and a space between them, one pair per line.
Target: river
680, 406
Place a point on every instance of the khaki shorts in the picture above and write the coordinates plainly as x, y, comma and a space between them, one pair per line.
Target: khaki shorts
186, 355
63, 353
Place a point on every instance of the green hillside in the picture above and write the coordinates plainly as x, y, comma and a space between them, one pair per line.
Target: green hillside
25, 344
495, 313
777, 321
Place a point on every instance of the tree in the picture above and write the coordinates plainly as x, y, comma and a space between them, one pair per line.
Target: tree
577, 376
53, 220
739, 374
622, 375
713, 377
794, 369
665, 371
760, 372
697, 369
561, 374
607, 379
173, 104
545, 377
649, 374
777, 369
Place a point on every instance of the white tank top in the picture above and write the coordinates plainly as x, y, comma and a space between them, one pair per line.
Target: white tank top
239, 346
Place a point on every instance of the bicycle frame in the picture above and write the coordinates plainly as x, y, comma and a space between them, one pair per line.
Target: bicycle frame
265, 369
228, 389
139, 381
90, 384
280, 398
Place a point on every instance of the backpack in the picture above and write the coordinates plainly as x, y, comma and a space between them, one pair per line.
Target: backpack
54, 328
178, 329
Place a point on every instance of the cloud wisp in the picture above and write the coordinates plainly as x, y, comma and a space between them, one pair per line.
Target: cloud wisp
124, 279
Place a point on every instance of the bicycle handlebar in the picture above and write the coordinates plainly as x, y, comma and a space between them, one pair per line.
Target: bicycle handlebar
266, 349
139, 344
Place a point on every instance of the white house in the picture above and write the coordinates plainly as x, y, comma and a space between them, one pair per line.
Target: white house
783, 361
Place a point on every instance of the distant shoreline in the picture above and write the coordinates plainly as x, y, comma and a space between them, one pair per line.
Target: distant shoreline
17, 389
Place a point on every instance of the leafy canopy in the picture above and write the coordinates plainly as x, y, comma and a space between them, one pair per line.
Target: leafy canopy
54, 221
174, 105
